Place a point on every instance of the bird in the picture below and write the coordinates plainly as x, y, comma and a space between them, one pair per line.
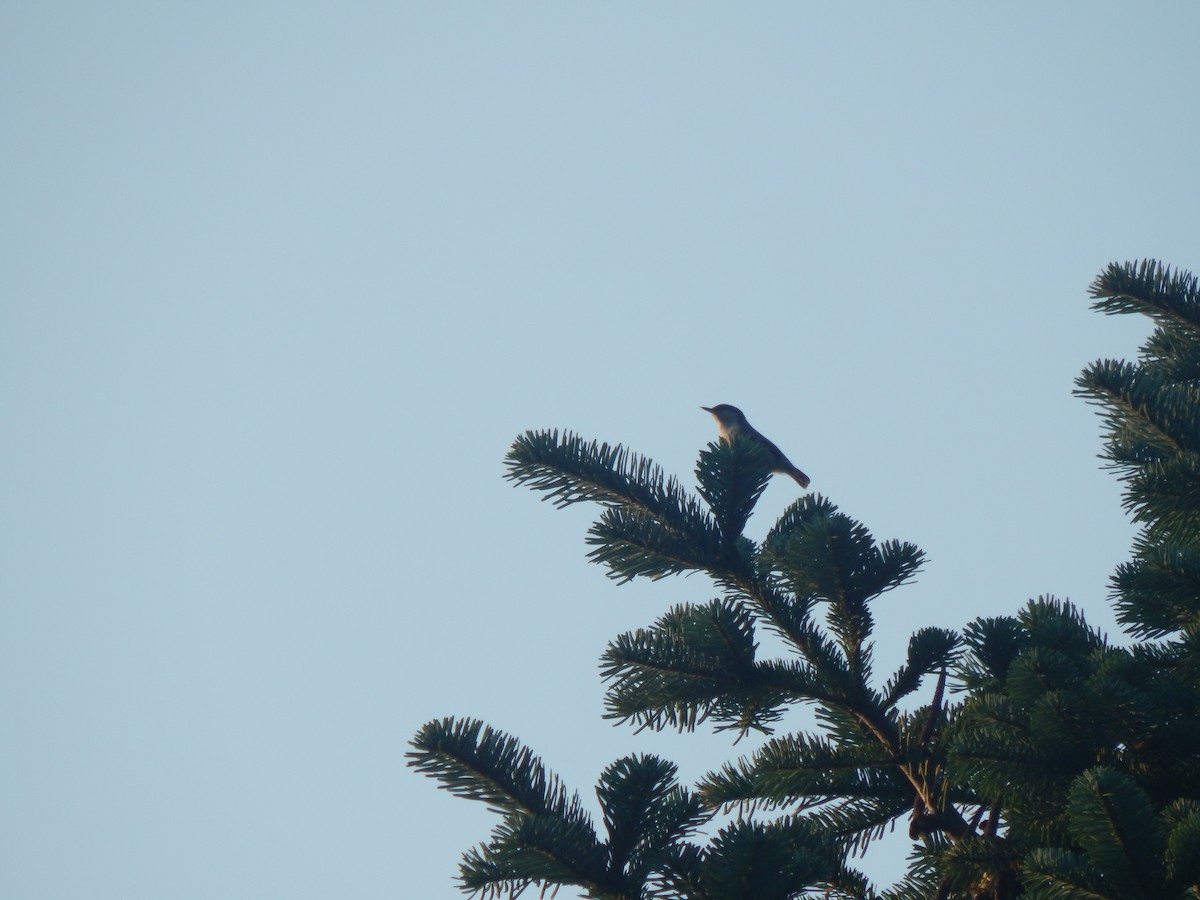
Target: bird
731, 422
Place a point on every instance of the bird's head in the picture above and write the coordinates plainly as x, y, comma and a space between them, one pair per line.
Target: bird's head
727, 416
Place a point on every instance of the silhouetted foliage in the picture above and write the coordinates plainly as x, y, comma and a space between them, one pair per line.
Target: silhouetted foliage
1068, 767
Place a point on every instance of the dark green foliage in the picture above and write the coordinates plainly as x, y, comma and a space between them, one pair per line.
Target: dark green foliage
1158, 593
1114, 823
696, 662
812, 582
538, 849
651, 527
1127, 850
547, 838
1068, 706
976, 865
1172, 299
853, 792
1087, 747
768, 861
475, 761
928, 651
731, 480
1068, 767
993, 645
1152, 408
1181, 820
646, 813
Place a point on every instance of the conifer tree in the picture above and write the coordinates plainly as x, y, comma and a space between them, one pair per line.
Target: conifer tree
1069, 767
1092, 751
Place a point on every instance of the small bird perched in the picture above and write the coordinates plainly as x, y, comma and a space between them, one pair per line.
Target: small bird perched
732, 422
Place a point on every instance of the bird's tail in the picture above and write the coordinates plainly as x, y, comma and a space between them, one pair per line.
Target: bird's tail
800, 477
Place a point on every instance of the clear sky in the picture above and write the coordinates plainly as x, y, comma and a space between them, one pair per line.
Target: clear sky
282, 281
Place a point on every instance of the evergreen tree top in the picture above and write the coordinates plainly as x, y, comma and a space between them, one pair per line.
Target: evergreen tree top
1063, 767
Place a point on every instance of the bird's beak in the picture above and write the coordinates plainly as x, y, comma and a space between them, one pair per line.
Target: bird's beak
707, 409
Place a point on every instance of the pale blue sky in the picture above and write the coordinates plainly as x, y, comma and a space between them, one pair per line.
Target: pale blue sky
282, 281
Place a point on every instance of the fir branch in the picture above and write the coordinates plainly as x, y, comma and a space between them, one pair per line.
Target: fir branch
1149, 416
631, 543
897, 564
978, 865
1158, 592
1154, 439
1173, 354
1051, 622
795, 679
1182, 858
1114, 822
770, 861
992, 644
805, 769
790, 617
857, 823
920, 883
541, 849
695, 662
645, 813
681, 874
929, 650
1051, 873
825, 556
991, 749
571, 470
475, 761
1150, 288
732, 478
798, 516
